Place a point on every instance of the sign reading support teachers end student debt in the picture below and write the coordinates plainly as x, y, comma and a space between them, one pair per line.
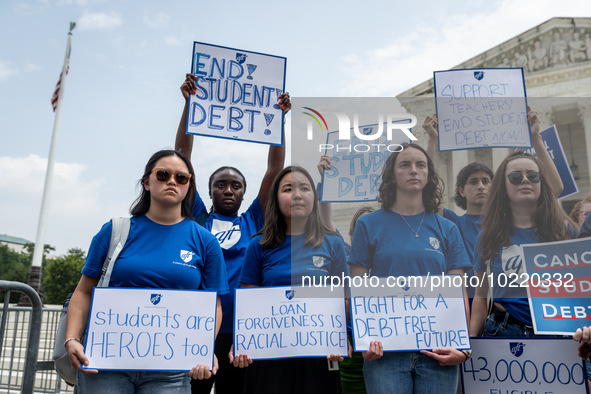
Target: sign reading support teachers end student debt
152, 329
237, 93
480, 108
524, 366
559, 279
413, 313
272, 322
354, 173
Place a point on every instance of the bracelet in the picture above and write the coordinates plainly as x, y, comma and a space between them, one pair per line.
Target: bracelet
71, 339
467, 353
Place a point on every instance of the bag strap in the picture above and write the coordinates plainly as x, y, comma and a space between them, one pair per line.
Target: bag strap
489, 292
119, 233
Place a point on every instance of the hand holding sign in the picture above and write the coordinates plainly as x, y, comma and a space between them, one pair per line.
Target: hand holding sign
201, 371
446, 356
583, 335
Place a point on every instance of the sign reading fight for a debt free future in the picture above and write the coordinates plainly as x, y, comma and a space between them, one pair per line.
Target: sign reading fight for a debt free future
558, 281
524, 366
479, 108
152, 329
354, 174
414, 313
272, 322
236, 95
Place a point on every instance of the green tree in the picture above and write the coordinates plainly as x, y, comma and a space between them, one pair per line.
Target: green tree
14, 266
61, 275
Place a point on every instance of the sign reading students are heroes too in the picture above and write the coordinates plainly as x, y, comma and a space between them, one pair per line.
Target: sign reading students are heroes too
236, 95
410, 313
479, 108
150, 329
273, 322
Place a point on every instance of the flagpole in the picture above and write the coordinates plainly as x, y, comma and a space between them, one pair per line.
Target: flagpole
34, 279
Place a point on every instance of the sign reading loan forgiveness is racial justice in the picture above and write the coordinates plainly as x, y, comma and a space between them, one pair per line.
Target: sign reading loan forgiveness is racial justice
272, 322
479, 108
236, 95
354, 174
153, 329
524, 366
415, 313
559, 279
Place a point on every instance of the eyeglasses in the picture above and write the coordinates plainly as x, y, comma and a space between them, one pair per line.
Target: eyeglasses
516, 177
162, 175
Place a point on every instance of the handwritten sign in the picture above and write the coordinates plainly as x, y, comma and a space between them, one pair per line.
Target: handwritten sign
520, 365
356, 165
154, 329
554, 148
478, 108
272, 322
414, 313
237, 93
559, 285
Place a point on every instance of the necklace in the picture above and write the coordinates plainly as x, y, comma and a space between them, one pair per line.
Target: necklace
416, 233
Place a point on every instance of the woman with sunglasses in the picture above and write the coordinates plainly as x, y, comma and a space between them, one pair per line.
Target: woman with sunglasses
161, 225
406, 237
521, 209
233, 231
294, 242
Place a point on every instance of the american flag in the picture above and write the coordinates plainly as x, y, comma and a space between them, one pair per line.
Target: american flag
56, 94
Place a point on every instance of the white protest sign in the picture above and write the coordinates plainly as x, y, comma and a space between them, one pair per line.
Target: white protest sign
150, 329
523, 365
478, 108
236, 95
356, 165
272, 322
414, 313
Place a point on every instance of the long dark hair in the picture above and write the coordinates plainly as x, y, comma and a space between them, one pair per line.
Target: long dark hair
550, 221
142, 204
432, 192
462, 179
275, 227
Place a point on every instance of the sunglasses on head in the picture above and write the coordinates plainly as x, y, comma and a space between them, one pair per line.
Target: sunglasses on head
181, 178
516, 177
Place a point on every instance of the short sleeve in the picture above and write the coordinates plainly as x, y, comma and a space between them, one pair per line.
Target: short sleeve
360, 252
456, 257
214, 270
339, 257
255, 211
477, 262
97, 253
198, 206
251, 273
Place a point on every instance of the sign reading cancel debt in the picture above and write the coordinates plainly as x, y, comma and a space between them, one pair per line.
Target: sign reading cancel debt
150, 329
273, 322
414, 313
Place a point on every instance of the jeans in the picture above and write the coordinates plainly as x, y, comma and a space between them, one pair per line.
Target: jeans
494, 328
124, 382
409, 372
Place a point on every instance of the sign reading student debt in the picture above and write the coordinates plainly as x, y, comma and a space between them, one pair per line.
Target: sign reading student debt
153, 329
554, 148
410, 313
272, 322
479, 108
355, 172
523, 365
236, 95
559, 279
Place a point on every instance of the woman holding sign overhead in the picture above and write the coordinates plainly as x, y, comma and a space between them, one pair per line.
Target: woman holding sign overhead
406, 237
161, 228
233, 231
292, 240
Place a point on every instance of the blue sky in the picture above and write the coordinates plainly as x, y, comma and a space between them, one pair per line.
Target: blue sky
122, 100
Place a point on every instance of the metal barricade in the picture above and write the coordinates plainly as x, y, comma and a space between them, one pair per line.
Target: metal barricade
27, 335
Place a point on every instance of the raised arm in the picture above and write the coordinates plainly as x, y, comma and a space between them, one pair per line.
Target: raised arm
184, 141
430, 126
552, 174
325, 208
275, 159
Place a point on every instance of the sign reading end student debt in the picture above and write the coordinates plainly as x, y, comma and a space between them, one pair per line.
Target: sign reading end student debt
558, 281
478, 108
236, 95
414, 313
272, 322
153, 329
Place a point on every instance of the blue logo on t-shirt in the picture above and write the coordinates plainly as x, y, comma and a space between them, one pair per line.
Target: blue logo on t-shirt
227, 233
155, 298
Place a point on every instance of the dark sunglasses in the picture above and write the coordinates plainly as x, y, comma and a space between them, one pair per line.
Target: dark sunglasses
516, 177
164, 175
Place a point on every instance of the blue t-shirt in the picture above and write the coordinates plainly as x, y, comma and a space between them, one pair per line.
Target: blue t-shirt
178, 256
286, 264
586, 228
509, 261
385, 244
233, 234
